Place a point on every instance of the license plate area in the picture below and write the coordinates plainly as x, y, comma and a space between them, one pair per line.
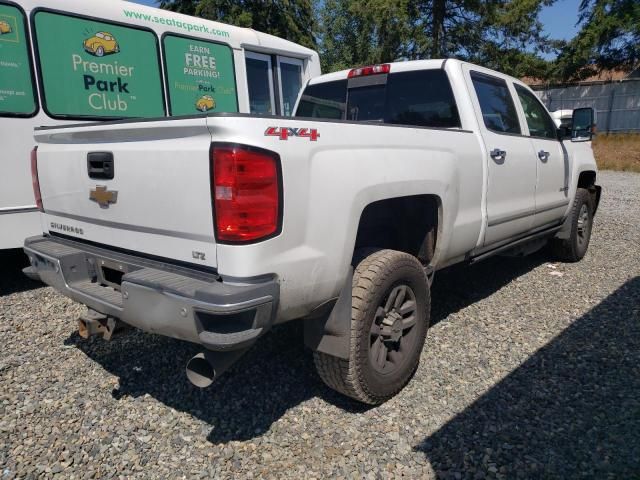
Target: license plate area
110, 273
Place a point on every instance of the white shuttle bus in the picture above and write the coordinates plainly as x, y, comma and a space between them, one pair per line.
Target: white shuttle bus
76, 60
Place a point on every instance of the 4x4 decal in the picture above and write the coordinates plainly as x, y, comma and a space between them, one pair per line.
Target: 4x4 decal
285, 132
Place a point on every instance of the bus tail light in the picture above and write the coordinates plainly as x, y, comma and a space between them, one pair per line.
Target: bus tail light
246, 191
369, 70
34, 178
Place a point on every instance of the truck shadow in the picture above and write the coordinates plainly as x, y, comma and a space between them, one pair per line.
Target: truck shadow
12, 280
572, 410
276, 374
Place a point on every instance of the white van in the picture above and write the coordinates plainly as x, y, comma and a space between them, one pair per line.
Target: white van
72, 60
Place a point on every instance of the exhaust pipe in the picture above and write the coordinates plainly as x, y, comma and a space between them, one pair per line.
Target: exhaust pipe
206, 367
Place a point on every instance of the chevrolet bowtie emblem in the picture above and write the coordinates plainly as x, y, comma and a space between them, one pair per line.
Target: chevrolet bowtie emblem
103, 196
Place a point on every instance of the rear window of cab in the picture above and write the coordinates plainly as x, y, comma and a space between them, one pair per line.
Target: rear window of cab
421, 98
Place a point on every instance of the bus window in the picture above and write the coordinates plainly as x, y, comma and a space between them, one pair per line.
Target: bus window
200, 76
290, 70
97, 69
260, 82
17, 93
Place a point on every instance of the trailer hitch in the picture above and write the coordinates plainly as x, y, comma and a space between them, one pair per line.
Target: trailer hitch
95, 323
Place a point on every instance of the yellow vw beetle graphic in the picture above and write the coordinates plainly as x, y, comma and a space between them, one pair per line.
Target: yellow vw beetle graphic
4, 27
101, 43
205, 103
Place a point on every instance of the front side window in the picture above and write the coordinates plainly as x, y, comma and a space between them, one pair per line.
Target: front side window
17, 93
498, 111
200, 76
538, 120
97, 69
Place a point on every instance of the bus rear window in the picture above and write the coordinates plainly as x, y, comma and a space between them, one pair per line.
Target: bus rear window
418, 98
97, 69
17, 93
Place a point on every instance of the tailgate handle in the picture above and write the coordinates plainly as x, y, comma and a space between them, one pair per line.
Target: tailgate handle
100, 165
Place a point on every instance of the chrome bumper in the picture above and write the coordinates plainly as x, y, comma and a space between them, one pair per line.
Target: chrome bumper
154, 296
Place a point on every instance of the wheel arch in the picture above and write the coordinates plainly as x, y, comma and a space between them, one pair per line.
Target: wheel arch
587, 180
408, 223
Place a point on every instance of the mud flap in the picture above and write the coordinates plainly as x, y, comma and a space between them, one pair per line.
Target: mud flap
328, 328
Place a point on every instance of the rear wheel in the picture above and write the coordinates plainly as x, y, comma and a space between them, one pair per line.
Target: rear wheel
389, 321
99, 52
575, 247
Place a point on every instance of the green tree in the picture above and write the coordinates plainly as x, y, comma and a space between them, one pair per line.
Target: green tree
502, 34
188, 7
366, 32
609, 38
293, 20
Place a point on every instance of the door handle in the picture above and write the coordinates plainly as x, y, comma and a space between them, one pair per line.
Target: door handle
100, 165
542, 155
498, 155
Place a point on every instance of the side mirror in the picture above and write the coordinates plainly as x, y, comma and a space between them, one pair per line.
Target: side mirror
563, 132
582, 128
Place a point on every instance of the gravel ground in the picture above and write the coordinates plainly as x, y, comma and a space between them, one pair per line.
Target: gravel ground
531, 369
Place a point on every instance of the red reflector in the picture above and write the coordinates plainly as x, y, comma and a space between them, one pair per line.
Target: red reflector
34, 178
370, 70
246, 193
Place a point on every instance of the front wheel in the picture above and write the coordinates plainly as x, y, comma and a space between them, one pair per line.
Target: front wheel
389, 321
575, 247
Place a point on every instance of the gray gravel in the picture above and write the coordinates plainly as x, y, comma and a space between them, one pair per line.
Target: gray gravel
532, 369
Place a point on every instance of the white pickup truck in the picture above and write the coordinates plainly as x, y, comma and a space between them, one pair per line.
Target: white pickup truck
211, 229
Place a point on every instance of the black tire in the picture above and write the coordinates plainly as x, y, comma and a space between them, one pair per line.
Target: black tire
574, 248
387, 331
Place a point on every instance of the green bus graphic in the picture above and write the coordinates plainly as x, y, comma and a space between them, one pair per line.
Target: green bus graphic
94, 68
16, 86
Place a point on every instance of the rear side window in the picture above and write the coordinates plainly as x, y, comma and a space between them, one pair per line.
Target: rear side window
538, 120
496, 103
417, 98
324, 100
17, 93
423, 98
97, 69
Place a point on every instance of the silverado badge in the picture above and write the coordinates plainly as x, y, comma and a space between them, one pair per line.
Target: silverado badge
103, 196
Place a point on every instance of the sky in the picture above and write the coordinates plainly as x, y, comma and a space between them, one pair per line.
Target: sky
559, 19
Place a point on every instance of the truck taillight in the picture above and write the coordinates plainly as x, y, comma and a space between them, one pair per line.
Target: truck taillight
246, 193
369, 70
34, 178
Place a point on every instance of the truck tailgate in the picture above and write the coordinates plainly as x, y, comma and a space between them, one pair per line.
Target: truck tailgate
158, 201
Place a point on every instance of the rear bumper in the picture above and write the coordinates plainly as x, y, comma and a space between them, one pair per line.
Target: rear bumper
157, 297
